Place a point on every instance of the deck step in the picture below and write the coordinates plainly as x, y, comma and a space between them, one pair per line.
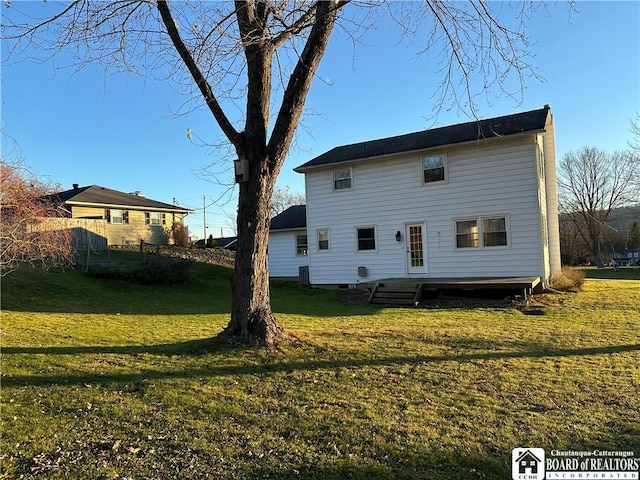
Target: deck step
404, 294
392, 301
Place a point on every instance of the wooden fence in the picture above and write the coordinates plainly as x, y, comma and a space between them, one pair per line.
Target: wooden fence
86, 234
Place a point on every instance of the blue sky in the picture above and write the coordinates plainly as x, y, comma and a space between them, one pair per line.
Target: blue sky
121, 132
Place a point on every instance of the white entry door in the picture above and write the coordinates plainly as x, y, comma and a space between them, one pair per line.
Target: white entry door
416, 246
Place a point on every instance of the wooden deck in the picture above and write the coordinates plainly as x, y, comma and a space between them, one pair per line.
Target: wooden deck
408, 291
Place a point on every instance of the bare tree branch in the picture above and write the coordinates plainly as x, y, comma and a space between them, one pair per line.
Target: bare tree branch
198, 77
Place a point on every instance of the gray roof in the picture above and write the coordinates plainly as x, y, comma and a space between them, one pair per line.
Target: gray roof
531, 121
292, 218
225, 242
95, 195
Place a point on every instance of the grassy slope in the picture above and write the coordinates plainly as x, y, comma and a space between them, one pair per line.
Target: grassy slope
102, 379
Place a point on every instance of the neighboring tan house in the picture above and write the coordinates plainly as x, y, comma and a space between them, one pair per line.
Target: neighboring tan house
128, 217
472, 200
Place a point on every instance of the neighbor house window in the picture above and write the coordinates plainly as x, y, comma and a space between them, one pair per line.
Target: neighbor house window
366, 238
342, 179
323, 239
153, 218
116, 216
494, 231
302, 246
485, 232
433, 168
467, 234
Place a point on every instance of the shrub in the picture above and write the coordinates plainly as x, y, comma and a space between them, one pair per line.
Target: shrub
569, 279
180, 235
170, 272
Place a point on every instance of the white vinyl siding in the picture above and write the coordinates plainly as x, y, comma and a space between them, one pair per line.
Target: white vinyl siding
283, 259
480, 180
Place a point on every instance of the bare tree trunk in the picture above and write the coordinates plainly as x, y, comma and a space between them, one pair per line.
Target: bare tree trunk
251, 315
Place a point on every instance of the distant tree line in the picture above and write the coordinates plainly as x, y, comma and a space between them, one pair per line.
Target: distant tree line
620, 234
599, 203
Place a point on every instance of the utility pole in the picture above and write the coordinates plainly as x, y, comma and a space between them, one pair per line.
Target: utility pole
204, 214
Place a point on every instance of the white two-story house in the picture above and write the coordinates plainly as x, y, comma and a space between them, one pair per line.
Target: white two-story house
473, 200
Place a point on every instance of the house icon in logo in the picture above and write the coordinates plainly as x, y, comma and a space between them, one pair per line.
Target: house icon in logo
527, 464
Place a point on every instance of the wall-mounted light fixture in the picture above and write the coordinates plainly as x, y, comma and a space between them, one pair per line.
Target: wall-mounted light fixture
398, 236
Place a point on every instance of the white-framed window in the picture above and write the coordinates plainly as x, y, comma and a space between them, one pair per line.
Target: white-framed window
434, 168
482, 232
154, 218
302, 245
467, 234
323, 239
366, 238
118, 216
494, 231
342, 178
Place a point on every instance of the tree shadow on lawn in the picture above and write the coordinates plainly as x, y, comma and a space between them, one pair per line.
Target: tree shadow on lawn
397, 462
77, 293
215, 345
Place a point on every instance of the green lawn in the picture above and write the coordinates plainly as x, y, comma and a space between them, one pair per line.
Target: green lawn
622, 273
102, 379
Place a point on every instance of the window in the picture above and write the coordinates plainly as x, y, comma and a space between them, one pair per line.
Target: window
118, 216
433, 168
484, 232
302, 247
494, 232
366, 238
153, 218
342, 179
323, 239
467, 234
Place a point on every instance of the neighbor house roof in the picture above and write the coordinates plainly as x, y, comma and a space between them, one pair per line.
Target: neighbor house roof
97, 196
292, 218
526, 122
225, 242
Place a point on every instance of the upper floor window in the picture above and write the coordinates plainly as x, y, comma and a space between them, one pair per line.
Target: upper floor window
366, 238
433, 168
302, 245
342, 179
